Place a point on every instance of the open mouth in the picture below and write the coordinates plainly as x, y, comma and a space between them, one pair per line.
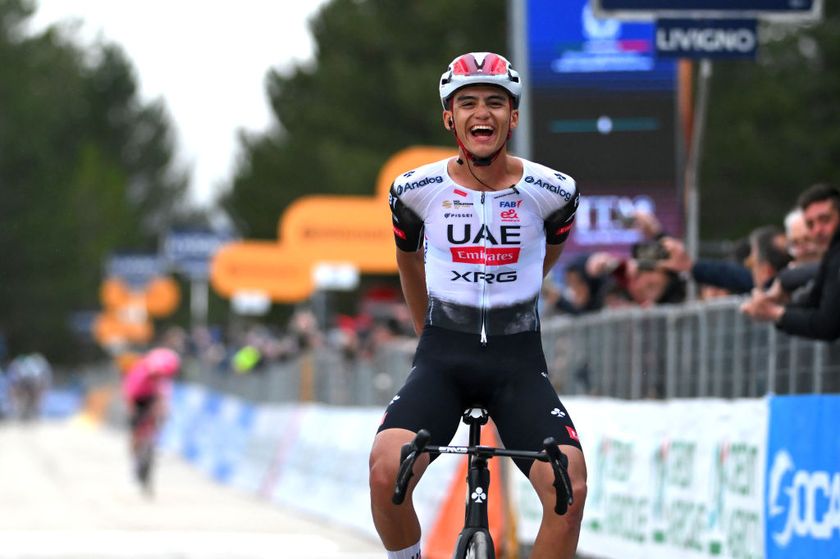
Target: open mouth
481, 131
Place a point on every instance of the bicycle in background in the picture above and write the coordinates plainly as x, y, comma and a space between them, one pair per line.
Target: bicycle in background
474, 541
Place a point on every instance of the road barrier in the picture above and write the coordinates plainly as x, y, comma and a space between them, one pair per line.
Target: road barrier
683, 478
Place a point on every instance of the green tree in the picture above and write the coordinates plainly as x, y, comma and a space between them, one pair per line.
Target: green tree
85, 170
370, 92
773, 127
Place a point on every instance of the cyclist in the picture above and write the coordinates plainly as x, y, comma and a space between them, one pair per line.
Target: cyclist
30, 376
146, 386
490, 226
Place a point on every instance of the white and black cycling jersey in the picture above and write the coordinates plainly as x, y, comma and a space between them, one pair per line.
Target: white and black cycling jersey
483, 251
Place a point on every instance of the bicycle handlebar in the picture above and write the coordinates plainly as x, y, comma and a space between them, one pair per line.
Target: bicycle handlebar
562, 484
550, 453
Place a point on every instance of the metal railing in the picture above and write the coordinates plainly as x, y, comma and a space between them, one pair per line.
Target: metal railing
701, 349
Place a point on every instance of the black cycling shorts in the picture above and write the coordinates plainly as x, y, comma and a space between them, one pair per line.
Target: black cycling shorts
143, 408
508, 377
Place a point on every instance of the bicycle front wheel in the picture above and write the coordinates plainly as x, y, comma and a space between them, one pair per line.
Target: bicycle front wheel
479, 547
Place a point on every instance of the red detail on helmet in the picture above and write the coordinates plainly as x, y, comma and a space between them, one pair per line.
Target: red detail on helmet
479, 68
467, 65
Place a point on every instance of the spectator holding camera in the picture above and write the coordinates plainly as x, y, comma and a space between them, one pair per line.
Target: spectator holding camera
817, 316
767, 256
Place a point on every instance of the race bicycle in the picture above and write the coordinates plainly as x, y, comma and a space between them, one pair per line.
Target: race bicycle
474, 541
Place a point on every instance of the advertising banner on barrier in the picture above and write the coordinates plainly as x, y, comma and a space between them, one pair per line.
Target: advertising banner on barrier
803, 477
669, 479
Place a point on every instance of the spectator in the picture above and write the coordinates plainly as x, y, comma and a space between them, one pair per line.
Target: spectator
818, 315
795, 281
606, 280
800, 244
767, 256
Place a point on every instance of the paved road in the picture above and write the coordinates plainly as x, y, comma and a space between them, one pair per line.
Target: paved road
66, 493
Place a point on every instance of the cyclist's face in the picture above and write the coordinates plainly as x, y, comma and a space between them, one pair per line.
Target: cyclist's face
822, 219
482, 116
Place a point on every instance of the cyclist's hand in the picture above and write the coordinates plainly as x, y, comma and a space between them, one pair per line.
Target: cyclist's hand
562, 483
408, 455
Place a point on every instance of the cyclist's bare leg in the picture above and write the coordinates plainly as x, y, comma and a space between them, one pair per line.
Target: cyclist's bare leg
397, 525
558, 535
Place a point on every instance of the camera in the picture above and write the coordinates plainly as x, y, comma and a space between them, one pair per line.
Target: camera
647, 254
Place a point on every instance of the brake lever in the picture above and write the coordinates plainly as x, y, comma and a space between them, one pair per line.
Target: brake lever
408, 455
562, 483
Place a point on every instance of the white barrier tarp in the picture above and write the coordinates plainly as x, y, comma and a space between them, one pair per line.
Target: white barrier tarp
681, 478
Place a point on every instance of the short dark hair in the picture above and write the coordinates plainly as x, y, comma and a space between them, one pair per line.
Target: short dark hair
764, 239
818, 193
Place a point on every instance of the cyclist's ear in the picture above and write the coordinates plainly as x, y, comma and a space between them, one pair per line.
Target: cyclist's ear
448, 122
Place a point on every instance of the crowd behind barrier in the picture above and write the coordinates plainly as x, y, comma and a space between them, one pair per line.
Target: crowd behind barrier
699, 349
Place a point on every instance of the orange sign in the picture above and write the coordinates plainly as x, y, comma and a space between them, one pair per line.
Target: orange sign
126, 316
352, 229
162, 296
406, 160
320, 229
261, 266
111, 328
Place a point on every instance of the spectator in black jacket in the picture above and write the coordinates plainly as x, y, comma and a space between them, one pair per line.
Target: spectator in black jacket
818, 315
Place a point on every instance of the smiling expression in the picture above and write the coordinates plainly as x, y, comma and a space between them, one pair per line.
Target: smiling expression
483, 116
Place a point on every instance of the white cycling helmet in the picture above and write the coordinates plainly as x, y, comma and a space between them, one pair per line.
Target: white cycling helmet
480, 68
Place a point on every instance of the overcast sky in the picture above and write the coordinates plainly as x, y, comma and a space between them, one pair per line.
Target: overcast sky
207, 59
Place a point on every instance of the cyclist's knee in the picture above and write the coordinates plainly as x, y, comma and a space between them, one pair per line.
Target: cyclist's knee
384, 463
382, 473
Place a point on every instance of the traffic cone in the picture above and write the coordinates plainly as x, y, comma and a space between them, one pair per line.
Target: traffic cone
441, 541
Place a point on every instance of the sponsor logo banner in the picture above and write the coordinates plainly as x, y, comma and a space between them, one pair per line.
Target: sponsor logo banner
672, 479
802, 511
491, 256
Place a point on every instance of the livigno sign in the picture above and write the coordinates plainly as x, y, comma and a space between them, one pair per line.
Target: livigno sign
706, 38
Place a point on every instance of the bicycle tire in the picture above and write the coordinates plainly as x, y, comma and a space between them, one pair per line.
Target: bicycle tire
479, 547
144, 461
